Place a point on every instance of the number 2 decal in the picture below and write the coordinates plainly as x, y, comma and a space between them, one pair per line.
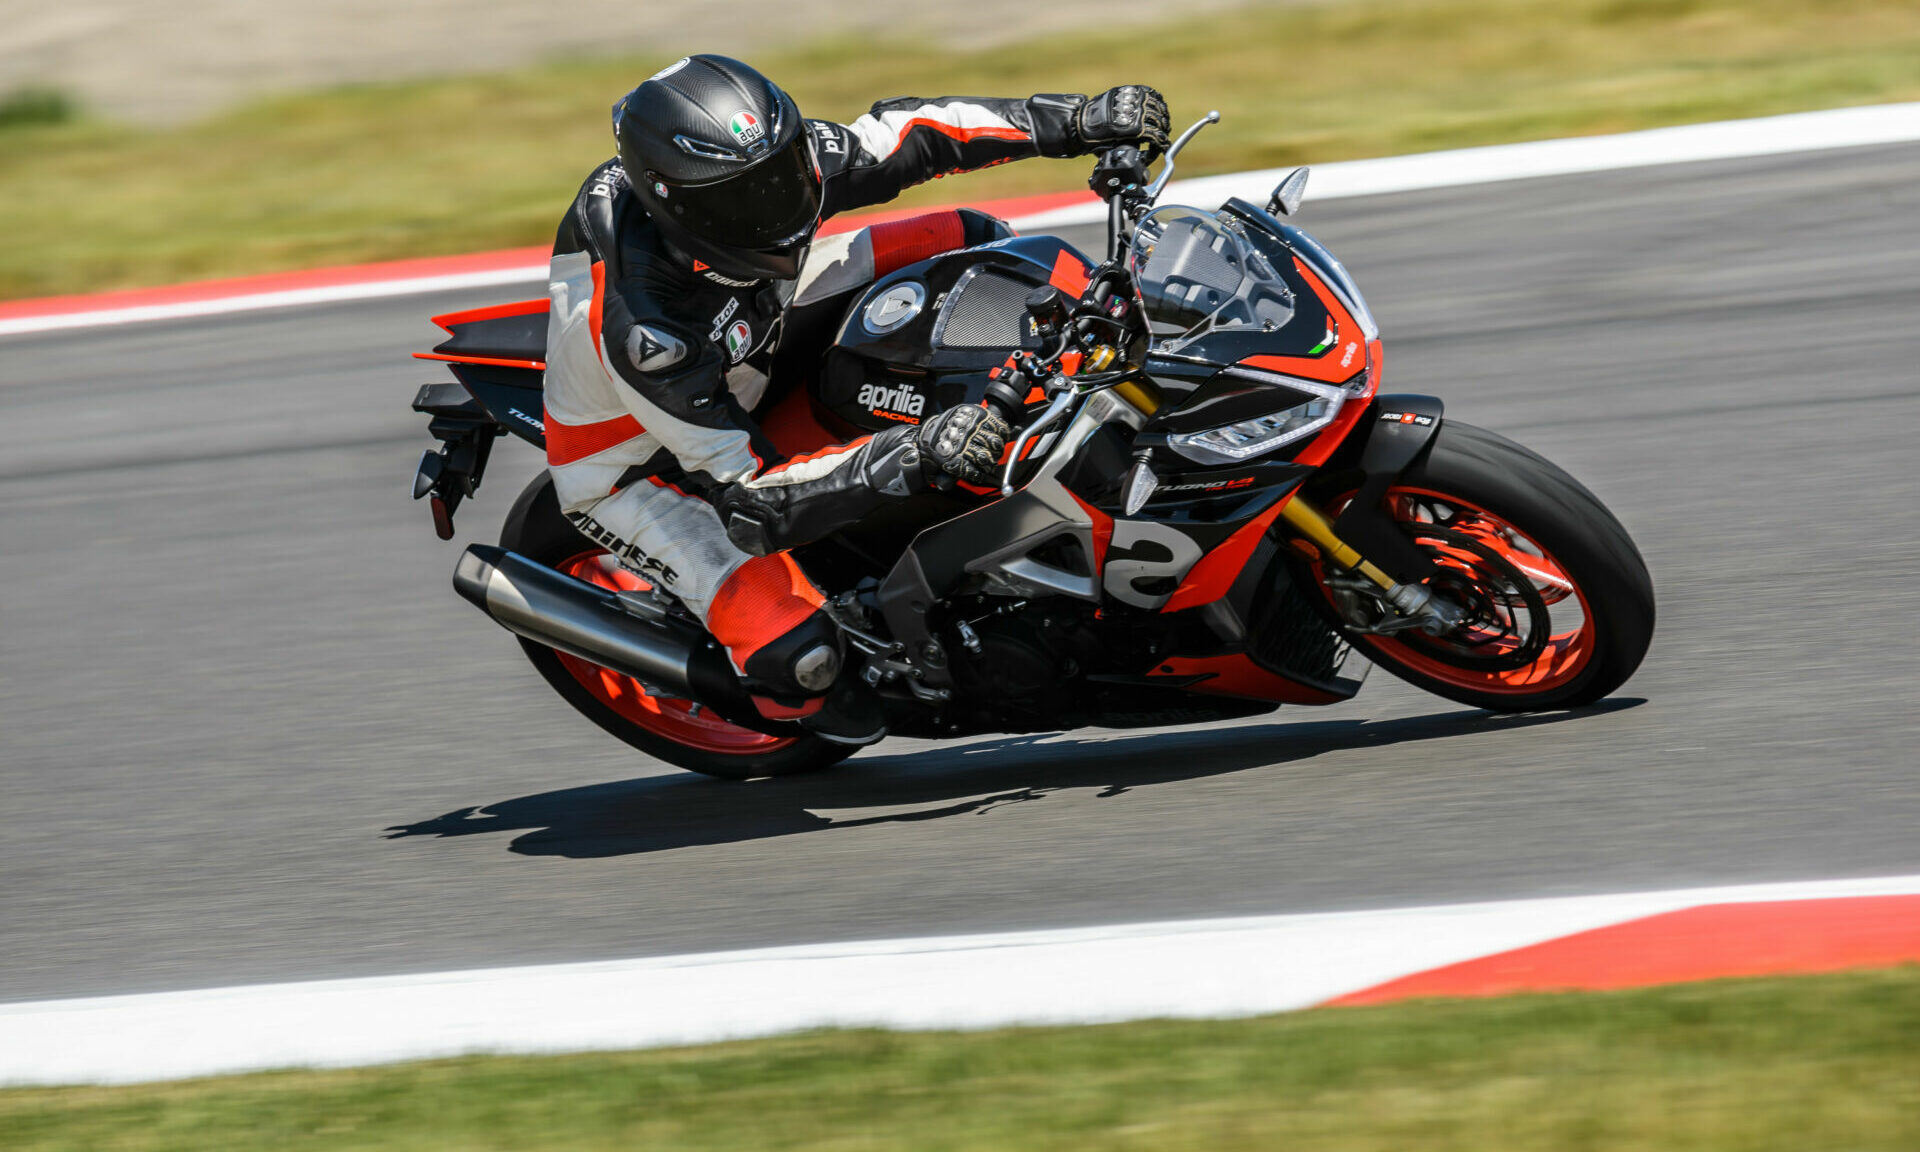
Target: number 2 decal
1124, 574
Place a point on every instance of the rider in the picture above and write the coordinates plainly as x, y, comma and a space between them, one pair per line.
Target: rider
669, 277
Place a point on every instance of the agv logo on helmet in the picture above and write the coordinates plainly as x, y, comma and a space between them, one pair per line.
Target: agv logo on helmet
745, 127
749, 133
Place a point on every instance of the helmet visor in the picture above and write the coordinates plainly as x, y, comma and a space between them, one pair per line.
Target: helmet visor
776, 200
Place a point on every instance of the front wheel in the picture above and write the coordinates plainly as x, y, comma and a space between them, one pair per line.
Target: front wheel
1559, 604
681, 732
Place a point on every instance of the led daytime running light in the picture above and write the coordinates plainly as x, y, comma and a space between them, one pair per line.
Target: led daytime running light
1243, 439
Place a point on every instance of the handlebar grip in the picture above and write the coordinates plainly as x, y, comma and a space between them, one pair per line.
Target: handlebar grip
1007, 395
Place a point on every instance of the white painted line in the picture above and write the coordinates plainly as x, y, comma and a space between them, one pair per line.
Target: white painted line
1684, 144
1723, 140
330, 294
1203, 968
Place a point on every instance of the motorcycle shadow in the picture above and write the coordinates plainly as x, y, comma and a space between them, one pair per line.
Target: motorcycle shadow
683, 810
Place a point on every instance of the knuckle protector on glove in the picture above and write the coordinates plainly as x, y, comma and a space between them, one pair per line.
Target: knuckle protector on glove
1131, 112
965, 443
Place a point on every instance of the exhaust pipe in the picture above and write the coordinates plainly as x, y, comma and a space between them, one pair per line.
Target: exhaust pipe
558, 611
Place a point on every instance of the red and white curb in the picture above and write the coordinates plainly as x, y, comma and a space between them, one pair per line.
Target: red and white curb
1197, 968
1772, 135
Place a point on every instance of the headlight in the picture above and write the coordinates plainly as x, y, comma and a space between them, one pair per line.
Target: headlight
1244, 439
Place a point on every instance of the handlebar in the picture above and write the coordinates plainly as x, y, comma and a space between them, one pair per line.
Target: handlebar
1120, 178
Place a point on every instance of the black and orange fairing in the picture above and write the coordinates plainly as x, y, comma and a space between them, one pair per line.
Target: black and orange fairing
503, 335
971, 311
1238, 674
498, 354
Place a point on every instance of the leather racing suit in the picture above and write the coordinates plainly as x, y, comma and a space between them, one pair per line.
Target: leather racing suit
653, 373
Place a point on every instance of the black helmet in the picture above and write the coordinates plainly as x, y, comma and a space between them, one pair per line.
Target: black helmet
723, 164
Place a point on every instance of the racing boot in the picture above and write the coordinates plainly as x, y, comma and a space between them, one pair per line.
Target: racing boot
852, 713
769, 617
806, 662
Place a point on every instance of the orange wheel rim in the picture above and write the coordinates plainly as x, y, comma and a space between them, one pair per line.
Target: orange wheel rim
1497, 570
681, 721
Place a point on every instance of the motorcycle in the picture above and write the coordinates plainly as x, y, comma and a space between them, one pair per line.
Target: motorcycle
1210, 509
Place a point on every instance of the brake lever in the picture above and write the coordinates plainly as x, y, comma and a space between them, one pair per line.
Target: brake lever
1166, 170
1061, 401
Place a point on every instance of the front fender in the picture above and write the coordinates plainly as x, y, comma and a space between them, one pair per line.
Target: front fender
1400, 426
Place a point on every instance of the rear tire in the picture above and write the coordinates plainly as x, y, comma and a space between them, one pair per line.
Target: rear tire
667, 730
1516, 533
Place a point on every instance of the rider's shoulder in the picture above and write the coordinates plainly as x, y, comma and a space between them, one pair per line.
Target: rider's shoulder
593, 221
606, 185
834, 145
647, 265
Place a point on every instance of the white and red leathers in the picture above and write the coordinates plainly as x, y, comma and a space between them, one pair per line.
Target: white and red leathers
654, 364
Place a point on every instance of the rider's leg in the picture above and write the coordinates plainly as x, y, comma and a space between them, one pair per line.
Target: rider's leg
762, 609
769, 616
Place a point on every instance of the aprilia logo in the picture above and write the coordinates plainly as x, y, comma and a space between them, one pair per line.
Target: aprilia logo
881, 400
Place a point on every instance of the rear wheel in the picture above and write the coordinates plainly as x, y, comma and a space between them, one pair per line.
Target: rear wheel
681, 732
1559, 605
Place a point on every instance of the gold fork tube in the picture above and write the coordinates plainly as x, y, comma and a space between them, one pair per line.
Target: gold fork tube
1140, 394
1313, 524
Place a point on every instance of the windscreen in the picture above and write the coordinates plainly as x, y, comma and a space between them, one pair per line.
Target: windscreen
1195, 275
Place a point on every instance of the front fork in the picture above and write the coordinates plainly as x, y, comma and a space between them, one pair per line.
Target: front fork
1385, 565
1416, 604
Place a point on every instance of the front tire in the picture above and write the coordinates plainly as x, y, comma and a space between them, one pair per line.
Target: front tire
1561, 606
676, 731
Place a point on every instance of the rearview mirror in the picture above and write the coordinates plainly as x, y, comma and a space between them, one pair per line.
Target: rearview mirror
1288, 194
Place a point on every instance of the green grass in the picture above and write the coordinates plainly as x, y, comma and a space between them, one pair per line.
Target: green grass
1829, 1063
386, 171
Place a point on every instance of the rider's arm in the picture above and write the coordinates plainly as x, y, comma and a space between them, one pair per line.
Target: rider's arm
813, 495
674, 385
910, 140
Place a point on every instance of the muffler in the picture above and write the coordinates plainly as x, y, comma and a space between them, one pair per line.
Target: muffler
558, 611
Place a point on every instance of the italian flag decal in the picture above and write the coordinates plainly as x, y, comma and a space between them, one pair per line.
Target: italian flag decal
745, 127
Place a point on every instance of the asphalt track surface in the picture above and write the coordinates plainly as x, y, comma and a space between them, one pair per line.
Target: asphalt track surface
248, 732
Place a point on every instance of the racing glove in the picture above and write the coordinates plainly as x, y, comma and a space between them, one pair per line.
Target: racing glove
1130, 114
964, 443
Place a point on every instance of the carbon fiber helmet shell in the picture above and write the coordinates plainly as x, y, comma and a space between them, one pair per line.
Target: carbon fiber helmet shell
721, 160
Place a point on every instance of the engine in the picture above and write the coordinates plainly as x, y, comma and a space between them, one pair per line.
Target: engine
1034, 666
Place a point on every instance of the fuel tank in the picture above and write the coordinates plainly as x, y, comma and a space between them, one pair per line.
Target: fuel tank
923, 338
